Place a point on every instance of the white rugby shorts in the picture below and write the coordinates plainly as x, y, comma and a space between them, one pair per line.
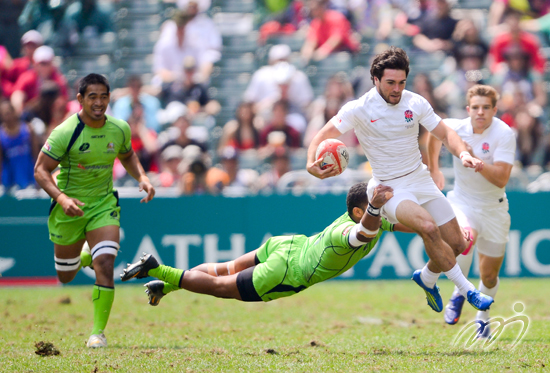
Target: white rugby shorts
491, 224
418, 187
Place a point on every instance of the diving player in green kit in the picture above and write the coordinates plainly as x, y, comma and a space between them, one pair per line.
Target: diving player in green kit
84, 203
283, 265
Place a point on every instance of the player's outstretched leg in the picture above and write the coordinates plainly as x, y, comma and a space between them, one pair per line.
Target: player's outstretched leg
157, 289
432, 294
140, 269
149, 266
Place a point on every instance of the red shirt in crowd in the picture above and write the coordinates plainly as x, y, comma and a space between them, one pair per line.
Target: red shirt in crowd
5, 84
20, 65
150, 164
9, 76
293, 137
29, 82
528, 43
333, 23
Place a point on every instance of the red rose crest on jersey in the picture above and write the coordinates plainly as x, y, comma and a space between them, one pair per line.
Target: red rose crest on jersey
408, 116
485, 148
48, 146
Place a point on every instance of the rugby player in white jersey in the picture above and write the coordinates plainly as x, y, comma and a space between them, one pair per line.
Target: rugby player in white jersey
478, 198
386, 121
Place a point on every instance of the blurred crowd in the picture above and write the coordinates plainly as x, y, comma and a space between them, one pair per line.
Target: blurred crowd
175, 124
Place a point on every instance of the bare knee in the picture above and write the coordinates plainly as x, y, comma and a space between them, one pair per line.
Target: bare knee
104, 269
458, 246
490, 280
66, 277
429, 231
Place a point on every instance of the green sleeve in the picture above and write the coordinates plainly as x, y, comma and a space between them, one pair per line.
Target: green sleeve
342, 234
56, 145
127, 144
386, 225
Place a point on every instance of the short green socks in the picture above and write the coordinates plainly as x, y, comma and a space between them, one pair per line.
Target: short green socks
168, 288
167, 274
103, 298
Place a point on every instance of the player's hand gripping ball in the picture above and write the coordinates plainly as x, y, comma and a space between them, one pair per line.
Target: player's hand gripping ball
333, 152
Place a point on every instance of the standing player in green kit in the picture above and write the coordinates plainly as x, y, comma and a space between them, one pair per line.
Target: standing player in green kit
84, 203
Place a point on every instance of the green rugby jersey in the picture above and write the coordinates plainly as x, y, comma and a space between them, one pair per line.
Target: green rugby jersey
87, 169
328, 254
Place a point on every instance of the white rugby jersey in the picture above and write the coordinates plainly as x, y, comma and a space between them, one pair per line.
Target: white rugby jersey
496, 144
388, 133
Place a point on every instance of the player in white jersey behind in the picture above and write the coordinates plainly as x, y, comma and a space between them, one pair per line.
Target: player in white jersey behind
478, 198
386, 121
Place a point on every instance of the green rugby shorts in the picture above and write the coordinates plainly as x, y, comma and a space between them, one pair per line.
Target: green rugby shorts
98, 212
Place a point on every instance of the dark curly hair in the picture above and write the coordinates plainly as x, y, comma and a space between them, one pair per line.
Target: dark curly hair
393, 58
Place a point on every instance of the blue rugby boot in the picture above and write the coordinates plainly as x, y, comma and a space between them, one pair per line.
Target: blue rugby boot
432, 295
483, 330
479, 301
454, 309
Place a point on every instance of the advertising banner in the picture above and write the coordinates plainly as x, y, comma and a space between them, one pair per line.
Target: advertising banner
188, 231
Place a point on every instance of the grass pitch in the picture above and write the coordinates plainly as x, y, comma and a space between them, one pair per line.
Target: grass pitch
336, 326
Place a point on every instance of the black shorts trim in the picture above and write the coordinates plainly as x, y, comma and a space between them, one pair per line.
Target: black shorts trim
54, 202
115, 193
246, 286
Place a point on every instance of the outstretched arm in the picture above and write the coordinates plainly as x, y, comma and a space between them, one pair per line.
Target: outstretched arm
367, 229
131, 163
456, 146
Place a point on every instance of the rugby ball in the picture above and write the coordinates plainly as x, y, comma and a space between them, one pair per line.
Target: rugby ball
333, 152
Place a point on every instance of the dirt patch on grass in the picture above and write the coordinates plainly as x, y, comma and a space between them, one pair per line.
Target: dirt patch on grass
64, 300
46, 349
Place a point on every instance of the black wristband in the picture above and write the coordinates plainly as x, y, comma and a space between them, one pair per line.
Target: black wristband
374, 211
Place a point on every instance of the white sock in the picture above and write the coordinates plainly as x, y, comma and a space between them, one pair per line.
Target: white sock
484, 315
428, 277
465, 262
461, 282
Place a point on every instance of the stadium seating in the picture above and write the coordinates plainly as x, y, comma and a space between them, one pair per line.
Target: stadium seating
129, 49
234, 6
